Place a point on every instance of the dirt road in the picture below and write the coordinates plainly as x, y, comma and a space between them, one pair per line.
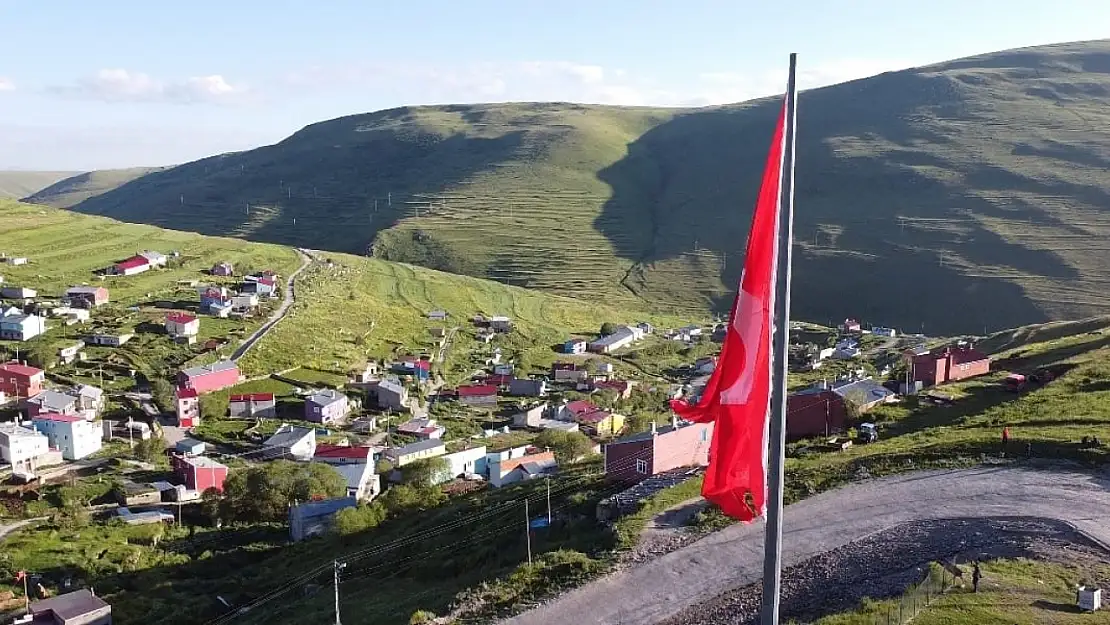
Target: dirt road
278, 314
661, 588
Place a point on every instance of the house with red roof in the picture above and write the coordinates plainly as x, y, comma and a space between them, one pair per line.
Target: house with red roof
187, 407
477, 394
252, 406
208, 378
180, 325
129, 267
568, 372
198, 473
19, 380
343, 454
592, 419
950, 364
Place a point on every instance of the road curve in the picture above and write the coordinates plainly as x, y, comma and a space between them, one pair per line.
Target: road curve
733, 557
278, 314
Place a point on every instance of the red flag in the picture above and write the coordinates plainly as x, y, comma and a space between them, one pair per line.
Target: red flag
737, 396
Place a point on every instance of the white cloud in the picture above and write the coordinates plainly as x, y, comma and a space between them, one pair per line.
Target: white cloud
567, 81
6, 84
121, 85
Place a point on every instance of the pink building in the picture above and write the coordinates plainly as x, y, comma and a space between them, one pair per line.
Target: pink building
19, 380
208, 378
660, 449
198, 472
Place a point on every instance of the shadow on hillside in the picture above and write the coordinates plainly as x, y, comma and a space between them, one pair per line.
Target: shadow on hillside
1026, 364
858, 152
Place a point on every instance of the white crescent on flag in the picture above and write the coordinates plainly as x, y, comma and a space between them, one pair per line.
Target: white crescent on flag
751, 313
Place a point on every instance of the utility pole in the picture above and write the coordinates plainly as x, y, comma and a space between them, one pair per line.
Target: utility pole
548, 480
337, 567
389, 199
527, 533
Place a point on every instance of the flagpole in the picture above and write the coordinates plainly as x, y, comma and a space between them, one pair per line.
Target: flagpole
772, 546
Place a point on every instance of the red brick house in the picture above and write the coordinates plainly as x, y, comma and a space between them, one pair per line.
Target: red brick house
19, 380
198, 472
208, 378
949, 365
658, 450
814, 412
477, 394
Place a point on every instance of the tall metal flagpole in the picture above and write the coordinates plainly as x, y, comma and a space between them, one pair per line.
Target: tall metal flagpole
772, 546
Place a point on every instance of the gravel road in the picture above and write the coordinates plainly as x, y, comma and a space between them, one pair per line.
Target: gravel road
661, 588
279, 314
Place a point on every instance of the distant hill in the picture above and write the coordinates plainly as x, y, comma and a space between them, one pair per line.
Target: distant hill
966, 196
17, 184
76, 188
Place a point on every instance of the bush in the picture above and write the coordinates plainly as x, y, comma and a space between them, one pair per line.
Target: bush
568, 446
358, 519
422, 617
426, 472
265, 492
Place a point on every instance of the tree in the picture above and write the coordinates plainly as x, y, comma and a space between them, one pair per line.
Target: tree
42, 355
406, 498
211, 505
608, 328
568, 446
422, 617
149, 450
359, 518
162, 392
213, 405
265, 492
426, 472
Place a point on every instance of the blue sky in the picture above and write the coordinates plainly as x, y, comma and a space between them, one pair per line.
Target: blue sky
87, 85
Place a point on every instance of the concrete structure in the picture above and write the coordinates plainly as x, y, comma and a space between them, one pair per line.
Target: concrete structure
51, 401
213, 298
187, 407
949, 365
291, 442
465, 462
252, 406
156, 259
390, 395
400, 456
18, 292
21, 447
531, 416
501, 324
182, 324
222, 269
208, 378
67, 355
356, 464
325, 406
16, 260
525, 467
17, 326
113, 339
190, 447
314, 519
621, 337
198, 473
524, 387
422, 428
20, 381
73, 435
658, 450
575, 346
568, 372
865, 394
80, 607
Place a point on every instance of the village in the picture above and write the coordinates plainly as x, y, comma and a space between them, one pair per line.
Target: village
171, 447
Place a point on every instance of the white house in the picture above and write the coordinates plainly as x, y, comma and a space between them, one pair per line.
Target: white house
17, 260
76, 437
500, 324
621, 337
466, 462
156, 259
17, 292
182, 324
21, 447
16, 326
291, 442
109, 339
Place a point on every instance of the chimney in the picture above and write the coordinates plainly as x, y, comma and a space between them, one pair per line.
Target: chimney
653, 428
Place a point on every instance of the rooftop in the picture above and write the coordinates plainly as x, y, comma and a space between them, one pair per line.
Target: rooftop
288, 435
342, 451
185, 393
52, 399
418, 446
203, 462
12, 430
252, 397
476, 390
61, 418
326, 397
223, 365
132, 263
180, 318
69, 606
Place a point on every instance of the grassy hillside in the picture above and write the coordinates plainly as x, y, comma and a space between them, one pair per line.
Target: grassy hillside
966, 196
17, 184
73, 188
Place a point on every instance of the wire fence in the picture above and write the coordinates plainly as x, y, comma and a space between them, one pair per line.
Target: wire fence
918, 597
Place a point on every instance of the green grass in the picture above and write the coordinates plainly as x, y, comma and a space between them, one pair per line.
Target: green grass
67, 191
976, 185
19, 184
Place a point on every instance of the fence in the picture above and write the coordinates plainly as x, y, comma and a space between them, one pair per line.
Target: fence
940, 579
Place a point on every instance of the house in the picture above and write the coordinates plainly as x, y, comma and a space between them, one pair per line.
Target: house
390, 394
16, 260
949, 364
865, 394
568, 372
213, 298
17, 292
326, 406
501, 381
343, 454
416, 367
575, 346
90, 400
470, 461
523, 387
132, 493
400, 456
623, 388
156, 259
80, 607
222, 269
850, 326
208, 378
531, 465
500, 325
70, 315
646, 328
437, 315
291, 442
477, 394
19, 380
705, 366
50, 401
530, 417
67, 355
182, 324
190, 447
198, 473
244, 301
314, 518
109, 339
422, 428
22, 447
504, 369
366, 375
16, 326
621, 337
815, 411
92, 295
658, 450
263, 286
881, 331
129, 267
72, 434
186, 407
600, 422
252, 406
362, 483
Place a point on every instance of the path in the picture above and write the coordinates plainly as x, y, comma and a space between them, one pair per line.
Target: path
278, 314
661, 588
8, 529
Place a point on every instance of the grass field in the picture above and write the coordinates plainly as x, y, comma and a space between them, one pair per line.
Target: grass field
78, 187
19, 184
976, 184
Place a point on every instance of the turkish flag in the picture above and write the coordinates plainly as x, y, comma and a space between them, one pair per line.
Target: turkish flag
737, 396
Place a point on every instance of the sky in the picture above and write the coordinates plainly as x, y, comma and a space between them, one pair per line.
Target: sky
93, 85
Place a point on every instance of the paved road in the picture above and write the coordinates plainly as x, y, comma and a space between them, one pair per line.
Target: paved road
278, 314
733, 557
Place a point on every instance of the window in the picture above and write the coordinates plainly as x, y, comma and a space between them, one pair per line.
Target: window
641, 466
704, 434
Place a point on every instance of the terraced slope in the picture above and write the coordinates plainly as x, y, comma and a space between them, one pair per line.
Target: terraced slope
966, 196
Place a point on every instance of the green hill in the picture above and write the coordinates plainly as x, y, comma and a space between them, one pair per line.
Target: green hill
71, 189
966, 196
17, 184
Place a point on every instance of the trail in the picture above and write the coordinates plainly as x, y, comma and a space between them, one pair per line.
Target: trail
279, 314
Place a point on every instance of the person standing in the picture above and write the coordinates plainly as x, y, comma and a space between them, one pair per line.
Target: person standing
976, 575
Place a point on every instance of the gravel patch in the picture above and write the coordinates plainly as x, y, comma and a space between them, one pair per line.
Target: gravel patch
884, 564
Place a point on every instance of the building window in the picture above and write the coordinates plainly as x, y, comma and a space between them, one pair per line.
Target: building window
704, 435
641, 466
